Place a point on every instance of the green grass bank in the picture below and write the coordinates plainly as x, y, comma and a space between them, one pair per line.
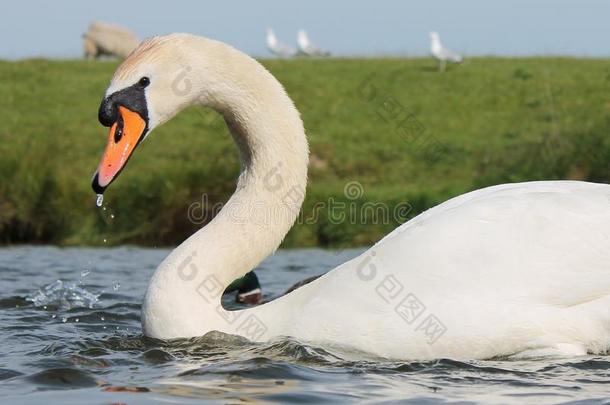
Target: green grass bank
385, 134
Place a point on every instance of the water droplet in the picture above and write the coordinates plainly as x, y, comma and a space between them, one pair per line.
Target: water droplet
100, 200
45, 307
64, 319
111, 216
85, 273
105, 240
53, 316
116, 286
76, 320
102, 318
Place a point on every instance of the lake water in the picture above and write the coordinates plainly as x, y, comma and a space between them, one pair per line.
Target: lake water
78, 340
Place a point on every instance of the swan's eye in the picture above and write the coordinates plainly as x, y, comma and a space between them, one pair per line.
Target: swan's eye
145, 81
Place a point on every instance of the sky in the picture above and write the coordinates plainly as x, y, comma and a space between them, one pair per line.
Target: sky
38, 28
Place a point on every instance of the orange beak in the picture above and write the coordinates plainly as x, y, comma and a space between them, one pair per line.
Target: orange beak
124, 136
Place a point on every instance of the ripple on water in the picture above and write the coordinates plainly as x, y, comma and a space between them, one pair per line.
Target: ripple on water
157, 356
62, 378
6, 374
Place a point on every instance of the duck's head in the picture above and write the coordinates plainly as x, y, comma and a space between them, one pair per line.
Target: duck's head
150, 87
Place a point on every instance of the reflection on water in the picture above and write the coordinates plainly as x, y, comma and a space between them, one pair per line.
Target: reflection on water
71, 334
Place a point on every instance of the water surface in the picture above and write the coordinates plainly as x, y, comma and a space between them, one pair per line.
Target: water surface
70, 334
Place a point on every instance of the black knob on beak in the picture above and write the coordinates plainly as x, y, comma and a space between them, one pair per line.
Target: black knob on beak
132, 97
108, 112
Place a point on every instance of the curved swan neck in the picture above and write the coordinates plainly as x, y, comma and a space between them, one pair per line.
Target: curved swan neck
270, 190
269, 193
269, 134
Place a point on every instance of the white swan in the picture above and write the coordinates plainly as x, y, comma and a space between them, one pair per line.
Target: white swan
508, 269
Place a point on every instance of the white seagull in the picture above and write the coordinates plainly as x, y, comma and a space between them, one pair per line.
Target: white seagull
307, 48
442, 54
277, 48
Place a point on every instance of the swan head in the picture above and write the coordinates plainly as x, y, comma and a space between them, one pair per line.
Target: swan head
434, 36
151, 86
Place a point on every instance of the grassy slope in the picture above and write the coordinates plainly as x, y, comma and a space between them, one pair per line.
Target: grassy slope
489, 121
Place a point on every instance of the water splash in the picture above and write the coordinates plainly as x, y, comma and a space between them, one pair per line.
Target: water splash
100, 200
64, 295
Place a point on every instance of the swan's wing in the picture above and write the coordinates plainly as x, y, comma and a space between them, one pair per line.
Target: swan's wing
497, 271
510, 189
556, 233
